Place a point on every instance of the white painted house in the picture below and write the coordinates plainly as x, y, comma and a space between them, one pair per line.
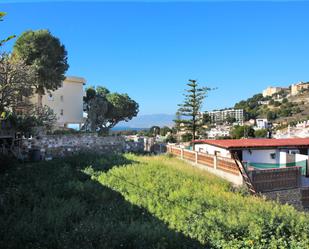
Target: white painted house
262, 123
260, 153
66, 101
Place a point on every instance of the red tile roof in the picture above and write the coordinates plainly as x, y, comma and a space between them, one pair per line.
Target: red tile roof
258, 142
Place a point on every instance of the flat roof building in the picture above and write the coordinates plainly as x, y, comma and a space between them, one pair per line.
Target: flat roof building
260, 153
222, 116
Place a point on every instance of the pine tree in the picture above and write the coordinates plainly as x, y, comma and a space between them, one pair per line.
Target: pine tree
190, 108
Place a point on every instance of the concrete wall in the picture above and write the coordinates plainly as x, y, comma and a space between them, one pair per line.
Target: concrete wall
261, 156
210, 149
300, 157
285, 157
290, 196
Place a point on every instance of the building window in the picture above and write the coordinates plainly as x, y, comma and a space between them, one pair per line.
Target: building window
61, 112
273, 155
50, 97
61, 98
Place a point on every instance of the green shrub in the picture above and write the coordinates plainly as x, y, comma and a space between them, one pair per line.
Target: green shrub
129, 201
57, 205
204, 207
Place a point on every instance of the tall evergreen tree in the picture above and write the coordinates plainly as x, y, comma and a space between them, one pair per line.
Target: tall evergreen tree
48, 57
189, 111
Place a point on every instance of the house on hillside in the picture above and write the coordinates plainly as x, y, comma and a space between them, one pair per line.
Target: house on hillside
296, 88
262, 123
269, 91
219, 131
66, 101
261, 153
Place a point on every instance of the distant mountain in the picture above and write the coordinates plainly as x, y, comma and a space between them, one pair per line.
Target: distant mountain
146, 121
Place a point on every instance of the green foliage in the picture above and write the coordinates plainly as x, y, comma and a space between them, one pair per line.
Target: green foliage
170, 139
154, 130
191, 107
271, 102
2, 14
230, 120
262, 133
250, 106
206, 118
271, 115
48, 57
35, 117
273, 111
239, 131
187, 137
59, 204
165, 130
106, 109
122, 108
115, 201
16, 80
204, 208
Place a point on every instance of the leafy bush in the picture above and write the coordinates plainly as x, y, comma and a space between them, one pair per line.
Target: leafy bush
56, 204
204, 207
239, 131
115, 201
262, 133
187, 137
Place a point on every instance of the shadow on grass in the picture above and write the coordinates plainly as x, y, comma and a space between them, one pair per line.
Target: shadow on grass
54, 205
98, 162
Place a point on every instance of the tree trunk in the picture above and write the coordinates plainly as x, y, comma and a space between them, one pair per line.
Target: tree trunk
40, 97
193, 133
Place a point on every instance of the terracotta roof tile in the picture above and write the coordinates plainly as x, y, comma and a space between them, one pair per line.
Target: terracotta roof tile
254, 142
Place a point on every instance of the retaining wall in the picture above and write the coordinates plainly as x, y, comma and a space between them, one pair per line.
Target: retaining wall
289, 196
62, 145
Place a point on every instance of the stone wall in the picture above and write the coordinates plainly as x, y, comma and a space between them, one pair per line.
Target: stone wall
52, 146
290, 196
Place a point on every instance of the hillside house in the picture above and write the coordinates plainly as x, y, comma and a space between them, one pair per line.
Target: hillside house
219, 131
261, 153
66, 101
296, 88
262, 123
269, 91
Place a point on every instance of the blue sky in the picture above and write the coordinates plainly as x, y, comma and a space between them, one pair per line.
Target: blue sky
150, 49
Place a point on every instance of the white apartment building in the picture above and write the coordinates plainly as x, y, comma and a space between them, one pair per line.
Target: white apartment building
221, 115
66, 101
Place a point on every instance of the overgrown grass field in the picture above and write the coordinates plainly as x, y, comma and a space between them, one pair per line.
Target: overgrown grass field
131, 201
